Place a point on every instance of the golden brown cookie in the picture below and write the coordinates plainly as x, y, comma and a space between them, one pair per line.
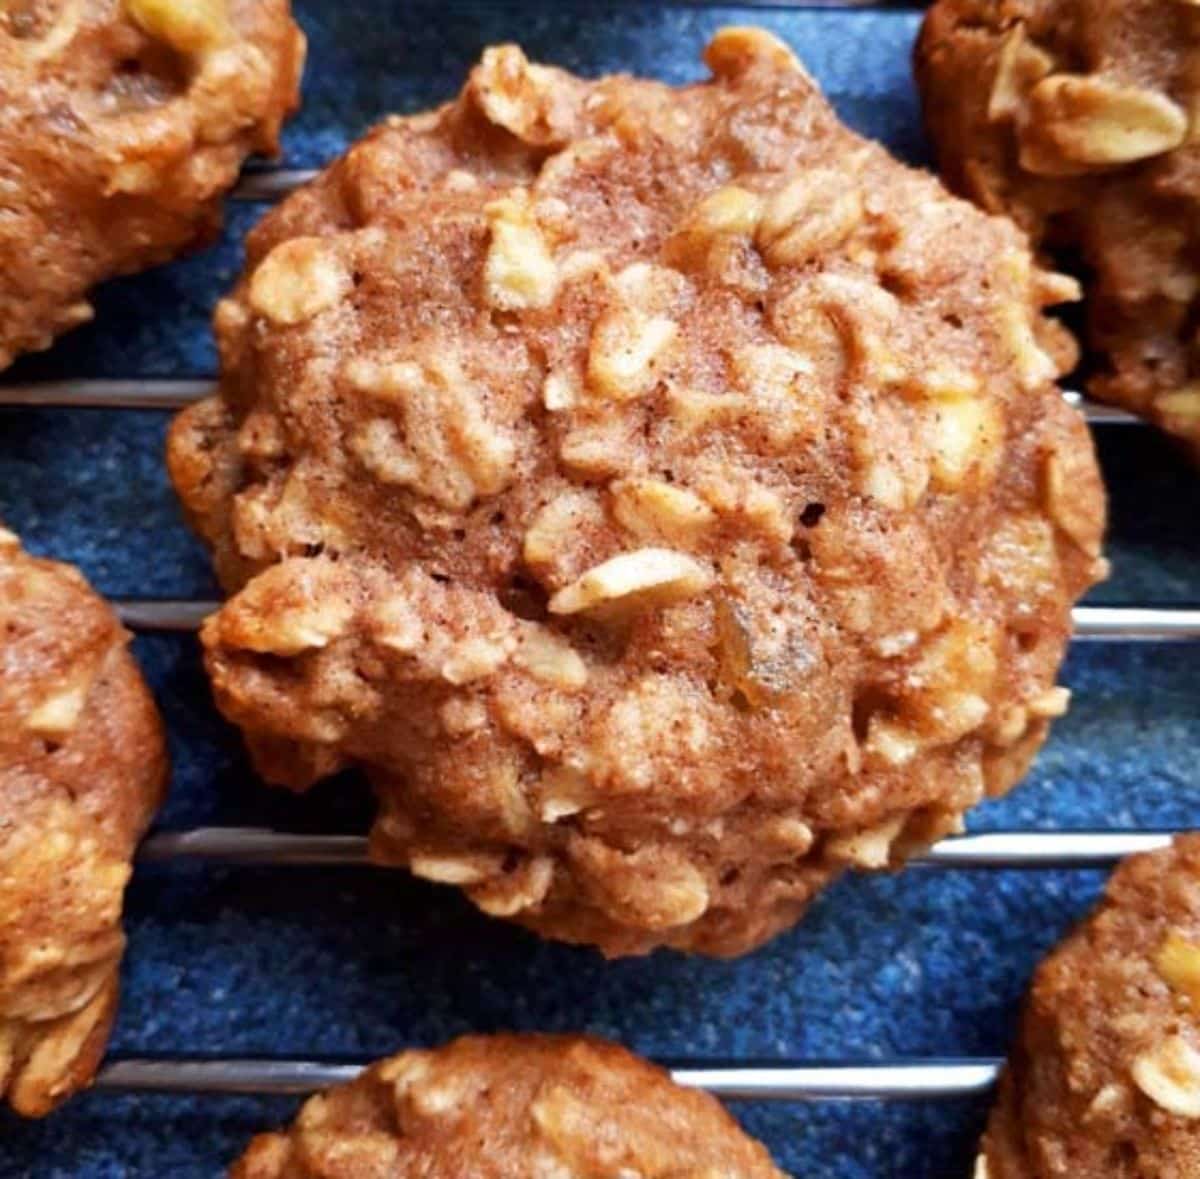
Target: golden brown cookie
662, 493
82, 769
510, 1107
1078, 118
1104, 1082
122, 122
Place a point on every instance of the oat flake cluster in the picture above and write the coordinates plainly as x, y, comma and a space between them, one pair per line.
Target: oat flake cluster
121, 124
1079, 118
494, 1107
662, 493
82, 768
1105, 1080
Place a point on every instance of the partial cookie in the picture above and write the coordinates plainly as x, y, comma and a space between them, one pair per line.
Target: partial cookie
122, 123
509, 1107
82, 768
1078, 118
662, 493
1104, 1082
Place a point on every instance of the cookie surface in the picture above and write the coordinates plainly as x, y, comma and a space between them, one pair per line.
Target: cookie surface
507, 1107
1077, 117
122, 123
82, 769
1105, 1079
662, 493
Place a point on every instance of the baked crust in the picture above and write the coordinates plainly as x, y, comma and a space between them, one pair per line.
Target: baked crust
1077, 118
82, 769
662, 493
503, 1107
1104, 1082
122, 123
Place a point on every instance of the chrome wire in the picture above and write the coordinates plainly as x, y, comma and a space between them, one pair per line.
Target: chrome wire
1136, 623
900, 1080
175, 393
987, 850
120, 393
246, 845
271, 184
164, 615
1092, 623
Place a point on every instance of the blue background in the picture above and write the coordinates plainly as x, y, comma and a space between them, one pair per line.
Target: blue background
356, 963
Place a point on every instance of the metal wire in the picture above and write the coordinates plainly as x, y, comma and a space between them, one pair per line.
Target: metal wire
244, 845
902, 1080
167, 615
884, 1081
1136, 624
989, 850
1041, 849
271, 184
1098, 414
174, 394
1128, 624
134, 393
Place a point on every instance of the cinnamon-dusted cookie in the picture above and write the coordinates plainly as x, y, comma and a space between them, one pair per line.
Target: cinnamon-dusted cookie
1104, 1082
662, 493
82, 769
508, 1107
1078, 118
122, 123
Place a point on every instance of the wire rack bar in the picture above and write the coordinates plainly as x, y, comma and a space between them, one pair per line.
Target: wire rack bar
175, 393
131, 393
1092, 623
1136, 624
1041, 849
270, 184
1099, 414
165, 615
992, 850
838, 1081
247, 845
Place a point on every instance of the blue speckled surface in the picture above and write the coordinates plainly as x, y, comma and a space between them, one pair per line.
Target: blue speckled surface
357, 963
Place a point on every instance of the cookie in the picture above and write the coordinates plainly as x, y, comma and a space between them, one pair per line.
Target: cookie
498, 1107
1104, 1082
122, 122
1076, 117
82, 769
662, 494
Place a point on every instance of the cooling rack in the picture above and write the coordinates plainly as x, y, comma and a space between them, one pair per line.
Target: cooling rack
740, 1030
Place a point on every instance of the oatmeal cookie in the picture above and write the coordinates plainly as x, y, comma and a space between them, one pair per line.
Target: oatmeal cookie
82, 769
507, 1107
122, 122
1076, 118
1104, 1082
662, 493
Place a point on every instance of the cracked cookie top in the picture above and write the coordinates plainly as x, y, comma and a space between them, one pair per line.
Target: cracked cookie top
662, 493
